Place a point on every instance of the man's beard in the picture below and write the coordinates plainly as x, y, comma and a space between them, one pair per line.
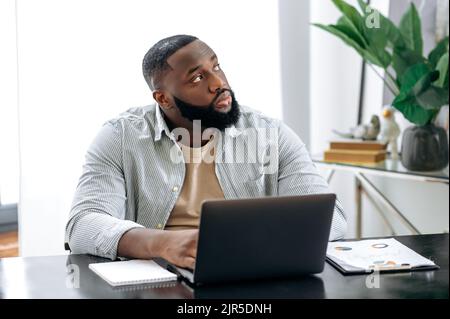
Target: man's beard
208, 116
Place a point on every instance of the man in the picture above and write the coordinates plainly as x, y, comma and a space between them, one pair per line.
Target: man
147, 171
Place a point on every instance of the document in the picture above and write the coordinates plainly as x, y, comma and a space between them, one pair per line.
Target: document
132, 272
370, 255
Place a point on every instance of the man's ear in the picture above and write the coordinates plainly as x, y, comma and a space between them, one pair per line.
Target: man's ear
162, 99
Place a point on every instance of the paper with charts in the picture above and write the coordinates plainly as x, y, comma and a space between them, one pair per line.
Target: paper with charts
375, 254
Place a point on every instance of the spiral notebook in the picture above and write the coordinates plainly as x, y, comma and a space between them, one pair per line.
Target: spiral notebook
132, 272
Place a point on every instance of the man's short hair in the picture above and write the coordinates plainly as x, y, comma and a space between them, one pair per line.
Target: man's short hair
155, 60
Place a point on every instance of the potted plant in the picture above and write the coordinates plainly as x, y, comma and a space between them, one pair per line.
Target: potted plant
420, 84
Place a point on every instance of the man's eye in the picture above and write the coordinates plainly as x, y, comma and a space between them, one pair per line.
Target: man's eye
217, 67
197, 78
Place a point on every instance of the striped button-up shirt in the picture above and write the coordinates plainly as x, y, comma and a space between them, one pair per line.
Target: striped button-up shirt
134, 171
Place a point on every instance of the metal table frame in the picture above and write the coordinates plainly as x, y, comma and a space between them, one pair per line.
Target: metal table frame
374, 195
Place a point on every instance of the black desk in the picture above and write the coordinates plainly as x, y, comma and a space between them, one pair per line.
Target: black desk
50, 277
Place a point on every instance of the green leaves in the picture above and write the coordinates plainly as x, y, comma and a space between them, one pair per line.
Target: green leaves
350, 14
442, 67
439, 60
387, 33
352, 29
351, 39
411, 51
343, 34
414, 113
419, 100
436, 54
414, 74
402, 59
349, 28
423, 82
411, 30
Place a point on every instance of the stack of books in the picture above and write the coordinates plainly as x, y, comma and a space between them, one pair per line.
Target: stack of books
356, 151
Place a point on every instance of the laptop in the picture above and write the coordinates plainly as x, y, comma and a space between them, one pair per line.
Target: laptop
270, 237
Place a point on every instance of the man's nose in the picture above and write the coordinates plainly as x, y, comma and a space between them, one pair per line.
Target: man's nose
215, 83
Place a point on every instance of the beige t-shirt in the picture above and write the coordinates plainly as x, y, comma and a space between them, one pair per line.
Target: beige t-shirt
200, 183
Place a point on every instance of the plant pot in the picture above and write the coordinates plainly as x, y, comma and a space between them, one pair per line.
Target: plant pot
424, 148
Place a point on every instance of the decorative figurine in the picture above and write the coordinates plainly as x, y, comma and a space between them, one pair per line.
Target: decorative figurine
364, 131
389, 131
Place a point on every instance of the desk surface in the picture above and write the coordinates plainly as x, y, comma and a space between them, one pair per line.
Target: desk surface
51, 277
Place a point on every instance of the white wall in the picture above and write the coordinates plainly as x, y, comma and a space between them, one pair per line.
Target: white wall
80, 65
9, 138
295, 67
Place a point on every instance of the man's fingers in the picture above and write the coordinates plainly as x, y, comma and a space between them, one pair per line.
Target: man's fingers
189, 262
193, 252
184, 246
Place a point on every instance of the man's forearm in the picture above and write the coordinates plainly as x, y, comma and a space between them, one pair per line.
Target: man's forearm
177, 247
141, 243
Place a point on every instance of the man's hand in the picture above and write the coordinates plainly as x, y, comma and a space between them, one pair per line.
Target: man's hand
177, 247
180, 247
